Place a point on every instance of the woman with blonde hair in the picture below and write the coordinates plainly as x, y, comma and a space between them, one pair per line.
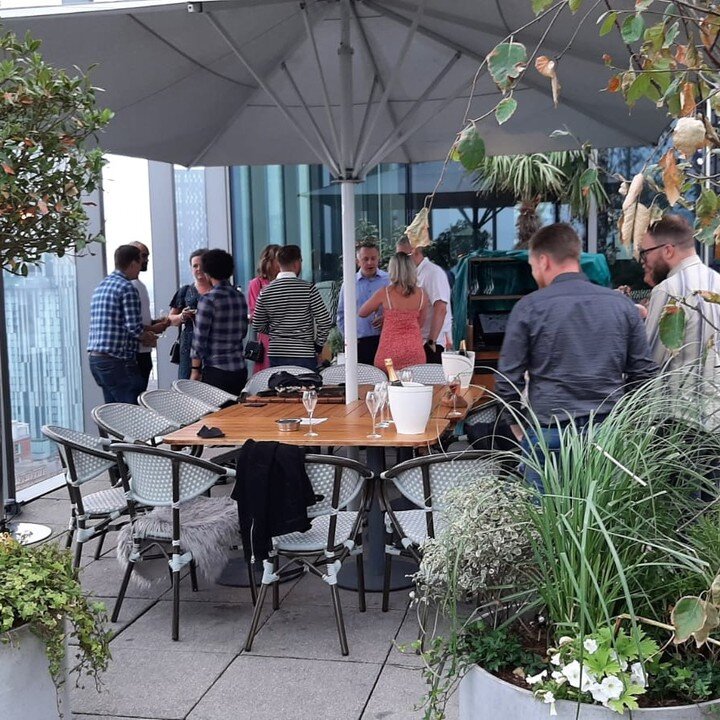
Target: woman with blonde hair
267, 270
403, 305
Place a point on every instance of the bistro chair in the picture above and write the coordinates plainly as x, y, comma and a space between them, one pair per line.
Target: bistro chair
366, 374
172, 483
428, 374
175, 406
259, 381
209, 394
425, 482
84, 458
131, 423
335, 534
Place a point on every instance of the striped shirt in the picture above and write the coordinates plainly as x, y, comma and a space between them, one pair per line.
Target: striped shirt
293, 314
220, 326
115, 320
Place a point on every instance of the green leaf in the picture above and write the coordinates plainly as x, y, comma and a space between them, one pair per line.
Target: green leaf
632, 28
470, 148
575, 5
641, 5
692, 616
588, 178
706, 207
641, 86
505, 63
539, 6
671, 34
608, 23
505, 109
672, 327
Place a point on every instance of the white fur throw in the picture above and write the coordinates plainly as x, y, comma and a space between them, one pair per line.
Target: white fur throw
208, 530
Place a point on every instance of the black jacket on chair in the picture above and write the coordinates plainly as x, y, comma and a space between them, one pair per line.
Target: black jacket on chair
273, 492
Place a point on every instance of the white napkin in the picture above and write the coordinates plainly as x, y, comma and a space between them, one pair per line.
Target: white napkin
315, 421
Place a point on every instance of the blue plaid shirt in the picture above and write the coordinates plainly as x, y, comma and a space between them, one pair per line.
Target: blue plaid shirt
221, 324
115, 319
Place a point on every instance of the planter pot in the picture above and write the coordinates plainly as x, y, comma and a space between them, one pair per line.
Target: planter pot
485, 697
27, 692
410, 406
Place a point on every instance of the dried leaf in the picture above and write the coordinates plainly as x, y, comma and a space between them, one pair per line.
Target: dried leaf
710, 132
672, 177
42, 207
418, 231
688, 136
711, 297
548, 68
8, 170
687, 99
681, 54
634, 222
709, 31
715, 587
633, 191
693, 617
613, 84
706, 208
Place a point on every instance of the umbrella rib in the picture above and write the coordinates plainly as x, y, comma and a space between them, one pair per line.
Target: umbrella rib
539, 87
378, 78
412, 29
273, 96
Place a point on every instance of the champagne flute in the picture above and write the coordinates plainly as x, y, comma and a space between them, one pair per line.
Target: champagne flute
405, 376
372, 400
454, 386
382, 389
309, 398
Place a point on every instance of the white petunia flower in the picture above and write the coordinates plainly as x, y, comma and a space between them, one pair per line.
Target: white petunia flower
549, 698
611, 688
590, 645
534, 679
558, 677
622, 663
577, 677
555, 659
564, 640
637, 675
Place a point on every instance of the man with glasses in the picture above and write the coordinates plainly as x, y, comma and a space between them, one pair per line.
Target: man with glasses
674, 269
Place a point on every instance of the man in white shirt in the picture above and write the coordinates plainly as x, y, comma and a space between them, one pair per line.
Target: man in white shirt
437, 328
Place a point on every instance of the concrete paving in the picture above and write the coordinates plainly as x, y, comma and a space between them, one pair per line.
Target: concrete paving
295, 670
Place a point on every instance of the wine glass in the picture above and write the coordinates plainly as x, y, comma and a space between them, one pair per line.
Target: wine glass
453, 382
372, 400
162, 317
309, 398
382, 389
405, 376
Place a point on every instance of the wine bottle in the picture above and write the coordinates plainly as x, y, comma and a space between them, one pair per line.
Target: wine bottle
462, 351
392, 376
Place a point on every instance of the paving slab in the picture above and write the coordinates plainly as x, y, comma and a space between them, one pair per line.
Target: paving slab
102, 578
310, 632
165, 682
398, 695
260, 688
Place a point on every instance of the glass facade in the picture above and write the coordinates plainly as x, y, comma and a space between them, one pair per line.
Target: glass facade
191, 222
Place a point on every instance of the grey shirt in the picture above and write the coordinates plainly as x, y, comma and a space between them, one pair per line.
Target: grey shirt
580, 344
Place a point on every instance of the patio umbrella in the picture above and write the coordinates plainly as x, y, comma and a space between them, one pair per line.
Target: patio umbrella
347, 83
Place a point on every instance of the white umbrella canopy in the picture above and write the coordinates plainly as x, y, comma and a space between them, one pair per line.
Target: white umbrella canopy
347, 83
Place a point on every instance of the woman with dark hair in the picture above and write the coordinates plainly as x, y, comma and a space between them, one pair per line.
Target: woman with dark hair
404, 305
183, 307
267, 270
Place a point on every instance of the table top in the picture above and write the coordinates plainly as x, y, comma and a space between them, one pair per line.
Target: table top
346, 425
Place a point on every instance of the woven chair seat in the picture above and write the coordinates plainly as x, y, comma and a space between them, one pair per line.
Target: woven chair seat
105, 502
414, 525
315, 539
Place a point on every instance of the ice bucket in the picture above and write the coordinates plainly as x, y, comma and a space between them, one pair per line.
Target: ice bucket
460, 365
410, 406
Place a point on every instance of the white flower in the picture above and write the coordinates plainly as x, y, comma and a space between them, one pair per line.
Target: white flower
558, 677
534, 679
590, 645
622, 663
555, 659
578, 677
564, 640
637, 675
611, 688
549, 698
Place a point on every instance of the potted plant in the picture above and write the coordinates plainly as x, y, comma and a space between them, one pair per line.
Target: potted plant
598, 596
47, 626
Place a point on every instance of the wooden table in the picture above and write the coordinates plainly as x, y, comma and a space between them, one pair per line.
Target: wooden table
346, 426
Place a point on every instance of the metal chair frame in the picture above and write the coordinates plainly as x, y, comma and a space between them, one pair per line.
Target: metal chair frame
177, 557
331, 556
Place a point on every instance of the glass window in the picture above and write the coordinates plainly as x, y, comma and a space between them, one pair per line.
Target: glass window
190, 217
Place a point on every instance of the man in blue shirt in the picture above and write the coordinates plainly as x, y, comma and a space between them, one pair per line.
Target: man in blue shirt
369, 278
116, 328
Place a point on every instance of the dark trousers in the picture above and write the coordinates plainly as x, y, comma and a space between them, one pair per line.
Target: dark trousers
367, 348
120, 380
434, 358
144, 361
231, 381
303, 362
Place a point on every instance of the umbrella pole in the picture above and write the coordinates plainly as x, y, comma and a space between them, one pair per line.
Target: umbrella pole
347, 197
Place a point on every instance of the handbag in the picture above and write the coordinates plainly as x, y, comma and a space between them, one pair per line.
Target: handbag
175, 350
254, 350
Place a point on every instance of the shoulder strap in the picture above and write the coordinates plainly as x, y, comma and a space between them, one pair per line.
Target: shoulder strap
422, 298
387, 295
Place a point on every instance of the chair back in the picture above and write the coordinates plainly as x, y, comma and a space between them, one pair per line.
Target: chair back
174, 406
209, 394
426, 481
484, 415
338, 480
131, 423
259, 381
366, 374
428, 374
164, 477
84, 457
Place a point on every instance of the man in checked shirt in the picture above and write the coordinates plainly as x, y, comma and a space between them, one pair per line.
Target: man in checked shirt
220, 327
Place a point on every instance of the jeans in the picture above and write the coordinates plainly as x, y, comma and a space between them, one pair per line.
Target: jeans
120, 380
231, 381
552, 442
144, 361
367, 347
304, 362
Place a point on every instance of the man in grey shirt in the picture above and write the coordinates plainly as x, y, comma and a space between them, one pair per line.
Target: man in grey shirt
580, 344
